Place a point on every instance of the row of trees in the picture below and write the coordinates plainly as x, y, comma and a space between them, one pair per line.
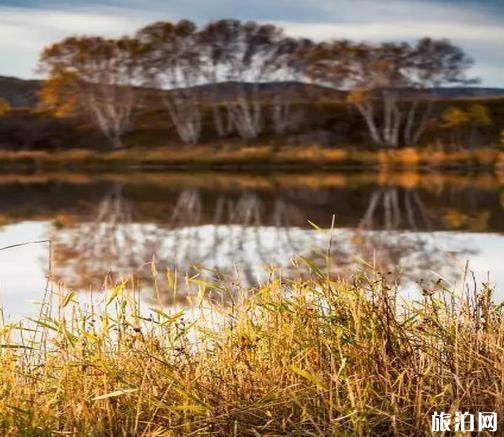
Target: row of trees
107, 79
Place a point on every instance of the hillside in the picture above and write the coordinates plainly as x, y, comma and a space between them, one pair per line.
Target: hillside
21, 93
468, 92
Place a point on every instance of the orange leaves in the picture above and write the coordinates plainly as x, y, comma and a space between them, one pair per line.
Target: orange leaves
58, 93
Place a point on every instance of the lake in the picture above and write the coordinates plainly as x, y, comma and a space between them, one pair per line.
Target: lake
417, 227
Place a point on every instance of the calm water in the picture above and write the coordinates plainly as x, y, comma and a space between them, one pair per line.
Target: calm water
111, 225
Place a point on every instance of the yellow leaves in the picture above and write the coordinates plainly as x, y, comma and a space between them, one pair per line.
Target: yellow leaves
477, 115
4, 106
454, 117
59, 93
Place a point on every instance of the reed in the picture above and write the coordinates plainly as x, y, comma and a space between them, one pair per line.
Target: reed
309, 356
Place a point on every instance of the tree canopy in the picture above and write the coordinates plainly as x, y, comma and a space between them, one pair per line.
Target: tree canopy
388, 83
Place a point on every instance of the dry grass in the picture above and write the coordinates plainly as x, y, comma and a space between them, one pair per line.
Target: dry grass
258, 157
308, 357
46, 157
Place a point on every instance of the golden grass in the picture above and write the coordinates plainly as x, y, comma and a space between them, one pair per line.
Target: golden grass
311, 356
259, 156
42, 157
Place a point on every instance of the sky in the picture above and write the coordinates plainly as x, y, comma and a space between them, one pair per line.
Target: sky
26, 26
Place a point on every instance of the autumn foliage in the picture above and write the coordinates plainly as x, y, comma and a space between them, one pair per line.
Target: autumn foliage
107, 80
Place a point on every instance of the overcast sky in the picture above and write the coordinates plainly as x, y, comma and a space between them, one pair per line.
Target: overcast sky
26, 26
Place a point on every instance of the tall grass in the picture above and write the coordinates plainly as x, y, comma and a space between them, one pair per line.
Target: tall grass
311, 356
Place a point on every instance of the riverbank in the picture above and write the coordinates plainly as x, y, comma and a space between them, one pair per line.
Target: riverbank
254, 158
264, 180
308, 356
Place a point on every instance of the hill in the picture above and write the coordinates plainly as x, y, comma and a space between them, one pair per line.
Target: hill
20, 93
468, 92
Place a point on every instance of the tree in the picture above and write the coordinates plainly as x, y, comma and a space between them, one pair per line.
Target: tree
454, 119
172, 63
480, 115
96, 77
244, 54
58, 94
481, 119
434, 63
289, 67
464, 124
387, 82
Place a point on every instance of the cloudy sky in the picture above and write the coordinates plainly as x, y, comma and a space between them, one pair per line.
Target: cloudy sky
476, 25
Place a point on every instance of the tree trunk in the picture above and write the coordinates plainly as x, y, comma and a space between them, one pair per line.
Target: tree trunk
219, 123
367, 112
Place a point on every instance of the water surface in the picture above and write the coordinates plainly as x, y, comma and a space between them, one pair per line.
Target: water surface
418, 226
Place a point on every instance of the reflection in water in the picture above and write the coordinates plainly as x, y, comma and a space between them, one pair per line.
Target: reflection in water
240, 228
401, 208
114, 244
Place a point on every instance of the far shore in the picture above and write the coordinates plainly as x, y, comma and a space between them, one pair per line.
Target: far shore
255, 158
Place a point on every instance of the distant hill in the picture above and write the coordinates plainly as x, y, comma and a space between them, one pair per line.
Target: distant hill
24, 93
18, 92
466, 92
297, 90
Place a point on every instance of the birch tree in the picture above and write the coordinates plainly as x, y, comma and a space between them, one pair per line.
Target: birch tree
390, 83
244, 55
96, 77
172, 63
288, 69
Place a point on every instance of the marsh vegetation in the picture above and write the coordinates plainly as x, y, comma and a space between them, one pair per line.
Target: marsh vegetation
307, 354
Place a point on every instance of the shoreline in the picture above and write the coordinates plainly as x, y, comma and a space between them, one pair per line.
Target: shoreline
263, 158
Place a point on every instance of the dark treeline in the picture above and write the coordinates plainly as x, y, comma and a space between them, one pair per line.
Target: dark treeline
244, 79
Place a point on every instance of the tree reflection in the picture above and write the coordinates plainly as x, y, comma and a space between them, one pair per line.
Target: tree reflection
391, 237
393, 208
106, 246
235, 242
240, 232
